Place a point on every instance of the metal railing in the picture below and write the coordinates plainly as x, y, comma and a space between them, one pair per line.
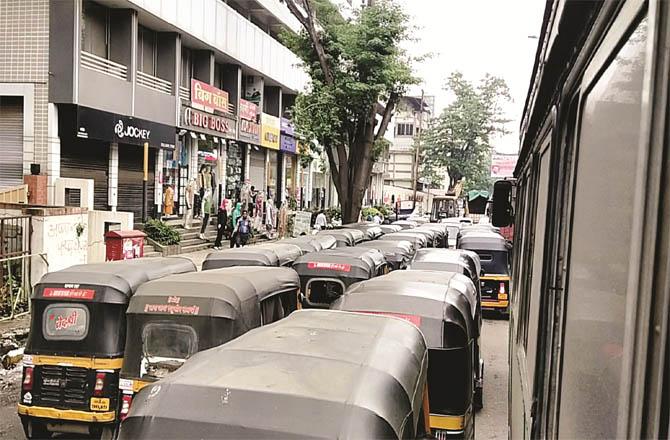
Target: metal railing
103, 65
185, 93
154, 83
15, 283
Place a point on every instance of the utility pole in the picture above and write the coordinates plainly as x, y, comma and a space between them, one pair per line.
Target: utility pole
417, 151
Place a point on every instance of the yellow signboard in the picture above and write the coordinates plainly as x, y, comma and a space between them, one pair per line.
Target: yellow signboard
270, 131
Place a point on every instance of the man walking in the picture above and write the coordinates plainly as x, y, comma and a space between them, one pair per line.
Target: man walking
222, 223
243, 229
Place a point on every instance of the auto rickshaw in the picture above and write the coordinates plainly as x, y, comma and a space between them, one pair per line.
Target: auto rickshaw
316, 373
76, 344
492, 249
244, 256
398, 253
406, 224
344, 237
463, 262
325, 275
441, 233
171, 319
372, 231
417, 239
388, 229
286, 253
443, 313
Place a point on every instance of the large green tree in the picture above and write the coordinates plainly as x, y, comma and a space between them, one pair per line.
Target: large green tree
460, 138
358, 71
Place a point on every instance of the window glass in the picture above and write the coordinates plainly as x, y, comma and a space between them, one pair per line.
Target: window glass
600, 245
145, 50
65, 322
94, 29
165, 347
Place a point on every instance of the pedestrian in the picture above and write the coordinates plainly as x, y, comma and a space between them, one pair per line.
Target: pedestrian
377, 219
321, 221
243, 230
237, 212
207, 210
221, 223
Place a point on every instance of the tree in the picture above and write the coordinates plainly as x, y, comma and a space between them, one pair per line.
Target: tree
459, 139
354, 65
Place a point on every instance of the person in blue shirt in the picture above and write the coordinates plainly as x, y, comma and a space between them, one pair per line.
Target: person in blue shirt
243, 229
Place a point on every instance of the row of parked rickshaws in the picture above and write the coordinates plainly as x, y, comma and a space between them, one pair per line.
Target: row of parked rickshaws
226, 352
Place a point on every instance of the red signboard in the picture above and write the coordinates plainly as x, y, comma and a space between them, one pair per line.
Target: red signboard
416, 320
248, 110
329, 266
503, 165
208, 97
60, 292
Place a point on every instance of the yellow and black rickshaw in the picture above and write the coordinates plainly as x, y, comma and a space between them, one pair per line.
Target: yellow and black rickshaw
76, 345
443, 313
492, 249
325, 275
171, 319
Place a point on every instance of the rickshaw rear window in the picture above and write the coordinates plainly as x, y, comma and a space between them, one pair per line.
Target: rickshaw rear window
169, 340
485, 257
67, 322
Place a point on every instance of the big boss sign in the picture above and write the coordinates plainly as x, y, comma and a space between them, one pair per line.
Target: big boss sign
208, 98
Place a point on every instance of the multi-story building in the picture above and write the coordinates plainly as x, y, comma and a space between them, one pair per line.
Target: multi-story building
205, 83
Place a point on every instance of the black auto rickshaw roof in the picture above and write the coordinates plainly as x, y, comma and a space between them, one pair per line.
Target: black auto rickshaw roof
343, 262
426, 305
387, 229
123, 276
372, 231
306, 243
244, 256
316, 373
221, 293
286, 253
343, 237
418, 240
406, 224
391, 249
480, 240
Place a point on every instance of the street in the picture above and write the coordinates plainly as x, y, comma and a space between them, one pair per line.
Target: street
491, 421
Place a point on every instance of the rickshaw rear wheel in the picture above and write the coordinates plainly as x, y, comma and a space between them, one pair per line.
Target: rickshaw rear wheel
478, 401
35, 430
108, 433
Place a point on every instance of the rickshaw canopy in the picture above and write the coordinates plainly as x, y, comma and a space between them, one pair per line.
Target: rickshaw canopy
418, 240
394, 251
316, 373
286, 253
244, 256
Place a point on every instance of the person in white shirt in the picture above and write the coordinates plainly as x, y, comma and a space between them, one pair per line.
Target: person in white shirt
377, 219
320, 222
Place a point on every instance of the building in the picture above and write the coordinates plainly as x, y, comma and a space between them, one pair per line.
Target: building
206, 84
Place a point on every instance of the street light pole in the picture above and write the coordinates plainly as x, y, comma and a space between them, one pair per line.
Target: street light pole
417, 151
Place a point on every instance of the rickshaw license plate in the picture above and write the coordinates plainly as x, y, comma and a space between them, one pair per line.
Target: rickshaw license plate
99, 404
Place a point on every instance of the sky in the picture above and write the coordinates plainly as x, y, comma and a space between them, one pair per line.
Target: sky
477, 37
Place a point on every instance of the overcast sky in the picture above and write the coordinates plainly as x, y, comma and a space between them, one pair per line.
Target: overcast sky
477, 37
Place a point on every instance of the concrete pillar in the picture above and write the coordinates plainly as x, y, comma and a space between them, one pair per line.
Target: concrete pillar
158, 180
247, 159
113, 179
132, 68
283, 191
53, 153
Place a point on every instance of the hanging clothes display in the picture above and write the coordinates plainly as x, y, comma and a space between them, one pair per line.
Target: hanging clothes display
168, 200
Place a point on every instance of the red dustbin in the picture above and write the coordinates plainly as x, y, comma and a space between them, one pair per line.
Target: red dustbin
124, 245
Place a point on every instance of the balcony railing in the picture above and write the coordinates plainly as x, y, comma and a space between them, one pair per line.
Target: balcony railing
157, 84
185, 93
103, 65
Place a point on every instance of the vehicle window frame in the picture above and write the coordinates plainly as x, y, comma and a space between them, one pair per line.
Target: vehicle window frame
73, 305
163, 323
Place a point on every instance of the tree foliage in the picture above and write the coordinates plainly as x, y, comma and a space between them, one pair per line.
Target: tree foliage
353, 66
460, 138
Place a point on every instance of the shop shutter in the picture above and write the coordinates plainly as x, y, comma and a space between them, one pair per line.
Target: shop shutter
86, 159
257, 169
131, 158
11, 141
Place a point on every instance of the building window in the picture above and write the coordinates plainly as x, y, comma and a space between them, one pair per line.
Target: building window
186, 67
404, 130
146, 50
95, 29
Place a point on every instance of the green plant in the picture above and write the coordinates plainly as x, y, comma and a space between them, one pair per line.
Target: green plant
333, 214
161, 232
384, 210
368, 211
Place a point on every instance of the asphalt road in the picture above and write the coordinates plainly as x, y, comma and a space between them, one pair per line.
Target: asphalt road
491, 421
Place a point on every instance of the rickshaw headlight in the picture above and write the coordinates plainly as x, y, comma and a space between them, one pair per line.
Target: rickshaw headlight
28, 378
99, 383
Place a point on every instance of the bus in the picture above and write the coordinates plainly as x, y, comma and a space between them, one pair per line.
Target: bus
590, 297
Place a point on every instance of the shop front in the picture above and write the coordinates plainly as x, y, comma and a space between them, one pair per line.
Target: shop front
92, 141
270, 132
287, 145
250, 137
209, 138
